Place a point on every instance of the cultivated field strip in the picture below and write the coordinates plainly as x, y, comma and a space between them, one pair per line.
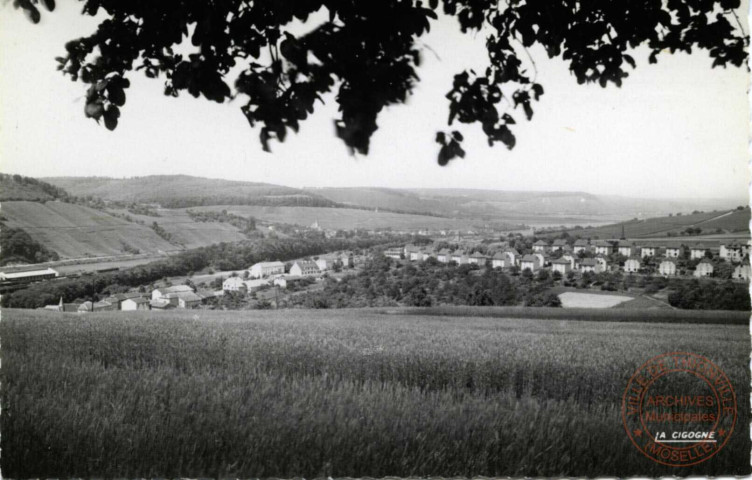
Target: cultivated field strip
345, 393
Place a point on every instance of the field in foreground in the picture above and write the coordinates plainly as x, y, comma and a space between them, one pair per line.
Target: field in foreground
345, 393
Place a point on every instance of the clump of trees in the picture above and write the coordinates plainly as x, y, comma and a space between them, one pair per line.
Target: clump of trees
697, 295
17, 246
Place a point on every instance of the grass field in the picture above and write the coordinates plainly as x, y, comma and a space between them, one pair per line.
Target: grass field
343, 218
346, 393
75, 231
590, 300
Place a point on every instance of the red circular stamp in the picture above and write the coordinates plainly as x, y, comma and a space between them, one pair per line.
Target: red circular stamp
679, 409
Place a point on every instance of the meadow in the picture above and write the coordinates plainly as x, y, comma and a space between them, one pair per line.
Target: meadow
301, 393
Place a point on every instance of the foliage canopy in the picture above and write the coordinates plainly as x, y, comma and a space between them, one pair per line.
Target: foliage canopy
367, 52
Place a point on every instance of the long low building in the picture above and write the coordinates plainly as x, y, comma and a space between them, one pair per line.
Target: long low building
27, 276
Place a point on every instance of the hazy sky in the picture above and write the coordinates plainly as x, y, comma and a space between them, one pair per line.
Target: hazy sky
676, 129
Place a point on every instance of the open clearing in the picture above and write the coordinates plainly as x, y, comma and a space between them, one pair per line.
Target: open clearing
591, 300
301, 393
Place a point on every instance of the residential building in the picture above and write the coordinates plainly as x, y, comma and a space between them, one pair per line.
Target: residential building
647, 251
304, 268
703, 269
558, 244
673, 252
603, 247
395, 253
570, 257
512, 256
531, 262
87, 306
138, 303
255, 284
477, 258
459, 257
734, 251
540, 246
667, 268
188, 300
627, 249
580, 245
161, 304
497, 261
541, 259
742, 272
560, 265
601, 264
444, 256
632, 265
588, 265
266, 269
164, 291
697, 251
232, 284
321, 263
280, 282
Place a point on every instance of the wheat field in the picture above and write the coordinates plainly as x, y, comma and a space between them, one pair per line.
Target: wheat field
302, 393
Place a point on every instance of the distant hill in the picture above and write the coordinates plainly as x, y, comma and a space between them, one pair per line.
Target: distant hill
18, 187
708, 223
512, 204
179, 191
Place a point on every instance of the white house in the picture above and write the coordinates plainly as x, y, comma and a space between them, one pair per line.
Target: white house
703, 269
632, 265
158, 293
588, 265
459, 257
603, 247
321, 263
560, 265
627, 249
531, 262
742, 272
255, 284
667, 267
673, 252
139, 303
541, 259
477, 258
497, 261
266, 269
601, 264
395, 253
570, 258
580, 245
647, 251
443, 256
512, 255
540, 246
697, 251
558, 244
232, 284
304, 268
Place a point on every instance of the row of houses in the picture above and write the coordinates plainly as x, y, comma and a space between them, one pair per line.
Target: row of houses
730, 251
164, 298
569, 261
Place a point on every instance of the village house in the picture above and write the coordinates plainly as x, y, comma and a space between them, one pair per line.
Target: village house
667, 268
497, 261
160, 304
395, 253
477, 258
459, 257
580, 245
266, 269
742, 272
540, 246
512, 255
734, 251
321, 263
570, 258
697, 251
530, 262
541, 259
304, 268
164, 291
602, 247
232, 284
444, 256
627, 249
558, 244
588, 265
601, 264
632, 265
281, 282
647, 251
703, 269
673, 252
188, 300
560, 265
138, 303
118, 298
255, 284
